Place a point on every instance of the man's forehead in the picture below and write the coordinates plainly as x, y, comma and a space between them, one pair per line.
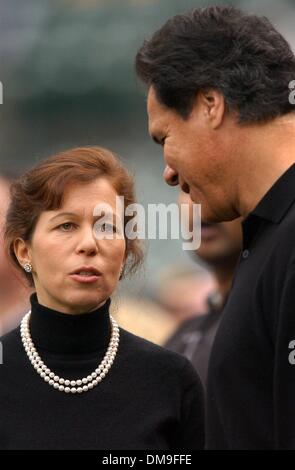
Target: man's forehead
156, 112
154, 107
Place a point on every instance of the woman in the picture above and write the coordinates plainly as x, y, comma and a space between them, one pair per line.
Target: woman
71, 379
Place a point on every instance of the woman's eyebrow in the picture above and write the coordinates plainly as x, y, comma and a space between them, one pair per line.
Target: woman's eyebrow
74, 214
62, 214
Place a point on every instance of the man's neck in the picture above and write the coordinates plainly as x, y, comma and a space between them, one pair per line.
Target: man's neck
267, 152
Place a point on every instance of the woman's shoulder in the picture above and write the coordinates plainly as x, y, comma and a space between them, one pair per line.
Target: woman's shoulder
142, 345
151, 355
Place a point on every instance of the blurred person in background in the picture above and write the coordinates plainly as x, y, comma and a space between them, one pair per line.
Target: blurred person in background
179, 293
144, 317
220, 248
183, 291
14, 290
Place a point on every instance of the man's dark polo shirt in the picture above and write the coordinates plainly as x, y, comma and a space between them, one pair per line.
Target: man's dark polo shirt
251, 384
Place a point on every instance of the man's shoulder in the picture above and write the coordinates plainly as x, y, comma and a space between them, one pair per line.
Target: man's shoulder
284, 245
278, 239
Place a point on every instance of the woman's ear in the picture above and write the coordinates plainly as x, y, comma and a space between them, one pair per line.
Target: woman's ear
22, 251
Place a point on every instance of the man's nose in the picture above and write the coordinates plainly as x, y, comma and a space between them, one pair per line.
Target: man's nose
170, 176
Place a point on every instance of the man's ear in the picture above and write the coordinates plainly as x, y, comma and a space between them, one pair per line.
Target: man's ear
213, 106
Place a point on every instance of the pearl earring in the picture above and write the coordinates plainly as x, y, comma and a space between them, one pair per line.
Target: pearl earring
28, 267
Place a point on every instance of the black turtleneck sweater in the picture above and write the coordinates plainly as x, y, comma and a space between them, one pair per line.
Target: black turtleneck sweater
150, 399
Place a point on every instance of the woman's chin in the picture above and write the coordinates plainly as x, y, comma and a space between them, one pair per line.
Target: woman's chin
84, 304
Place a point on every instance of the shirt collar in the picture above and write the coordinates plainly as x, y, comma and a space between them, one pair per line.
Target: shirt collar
75, 334
272, 207
277, 201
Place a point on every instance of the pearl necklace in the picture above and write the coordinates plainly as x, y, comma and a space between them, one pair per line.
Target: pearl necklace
65, 385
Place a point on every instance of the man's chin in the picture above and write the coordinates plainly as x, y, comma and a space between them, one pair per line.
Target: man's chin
209, 217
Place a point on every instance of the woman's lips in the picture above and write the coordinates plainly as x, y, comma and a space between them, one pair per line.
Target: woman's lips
84, 279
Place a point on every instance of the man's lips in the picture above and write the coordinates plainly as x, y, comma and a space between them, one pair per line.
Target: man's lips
170, 176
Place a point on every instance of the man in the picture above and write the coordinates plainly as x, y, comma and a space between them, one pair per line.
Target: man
220, 249
14, 293
218, 102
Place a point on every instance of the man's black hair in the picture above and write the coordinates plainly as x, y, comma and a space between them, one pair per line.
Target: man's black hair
220, 47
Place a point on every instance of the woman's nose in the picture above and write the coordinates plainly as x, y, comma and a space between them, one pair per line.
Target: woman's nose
170, 176
88, 243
